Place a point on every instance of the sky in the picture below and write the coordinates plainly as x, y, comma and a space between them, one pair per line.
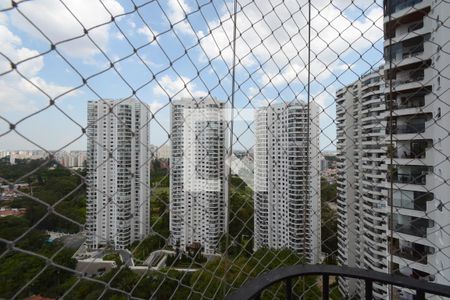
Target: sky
161, 50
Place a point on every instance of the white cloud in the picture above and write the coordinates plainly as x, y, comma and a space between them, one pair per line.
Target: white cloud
119, 36
16, 93
58, 24
150, 62
291, 74
176, 88
53, 90
3, 19
277, 33
144, 30
155, 106
177, 13
19, 95
132, 24
324, 100
13, 96
252, 92
261, 102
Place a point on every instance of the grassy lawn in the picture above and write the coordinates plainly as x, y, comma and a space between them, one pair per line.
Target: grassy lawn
113, 256
185, 261
159, 194
335, 294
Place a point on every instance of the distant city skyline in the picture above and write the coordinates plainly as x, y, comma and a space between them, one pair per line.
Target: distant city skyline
243, 117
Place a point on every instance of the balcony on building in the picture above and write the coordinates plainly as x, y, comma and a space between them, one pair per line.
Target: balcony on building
412, 251
408, 78
414, 47
408, 124
412, 273
394, 6
414, 226
411, 199
408, 152
409, 174
403, 11
405, 101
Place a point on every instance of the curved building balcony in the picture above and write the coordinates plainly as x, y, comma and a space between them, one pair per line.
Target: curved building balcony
403, 9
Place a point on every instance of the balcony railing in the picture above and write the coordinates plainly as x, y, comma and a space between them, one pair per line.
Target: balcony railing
420, 205
411, 254
402, 54
407, 103
254, 288
409, 179
411, 79
407, 128
412, 226
396, 6
413, 273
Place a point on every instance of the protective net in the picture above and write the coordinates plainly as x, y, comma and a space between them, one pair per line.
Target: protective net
176, 149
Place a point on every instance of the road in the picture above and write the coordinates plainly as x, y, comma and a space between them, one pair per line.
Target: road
126, 257
73, 241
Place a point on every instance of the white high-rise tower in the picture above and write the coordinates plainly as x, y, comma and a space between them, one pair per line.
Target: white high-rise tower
393, 183
287, 188
118, 174
198, 186
361, 194
417, 52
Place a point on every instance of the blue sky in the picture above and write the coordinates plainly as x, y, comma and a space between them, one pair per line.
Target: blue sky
183, 48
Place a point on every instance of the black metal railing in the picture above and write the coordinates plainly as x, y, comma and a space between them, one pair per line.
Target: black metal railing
254, 288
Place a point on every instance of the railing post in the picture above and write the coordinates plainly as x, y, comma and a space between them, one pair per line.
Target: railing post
288, 289
326, 286
420, 295
369, 286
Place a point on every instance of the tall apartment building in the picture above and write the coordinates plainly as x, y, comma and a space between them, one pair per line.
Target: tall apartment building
118, 155
198, 186
415, 238
72, 159
417, 53
361, 196
163, 151
286, 179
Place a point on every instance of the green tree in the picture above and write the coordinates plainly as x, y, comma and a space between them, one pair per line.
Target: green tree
241, 212
142, 249
329, 219
17, 269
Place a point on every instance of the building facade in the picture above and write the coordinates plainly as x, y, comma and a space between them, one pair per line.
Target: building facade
198, 185
72, 159
286, 179
118, 173
163, 151
361, 195
414, 93
417, 54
